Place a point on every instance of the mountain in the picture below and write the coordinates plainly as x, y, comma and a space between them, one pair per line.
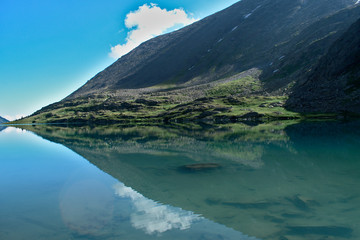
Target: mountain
238, 64
334, 85
3, 120
251, 33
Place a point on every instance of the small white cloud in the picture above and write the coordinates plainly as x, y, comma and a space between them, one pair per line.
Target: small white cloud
12, 118
147, 22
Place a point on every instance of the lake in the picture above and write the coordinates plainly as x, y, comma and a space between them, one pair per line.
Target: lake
280, 180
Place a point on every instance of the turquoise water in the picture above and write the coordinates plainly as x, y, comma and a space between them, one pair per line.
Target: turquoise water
272, 181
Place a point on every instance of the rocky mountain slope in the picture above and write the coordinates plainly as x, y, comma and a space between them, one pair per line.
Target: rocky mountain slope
334, 85
251, 33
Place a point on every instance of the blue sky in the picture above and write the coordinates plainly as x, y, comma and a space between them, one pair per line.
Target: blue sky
49, 48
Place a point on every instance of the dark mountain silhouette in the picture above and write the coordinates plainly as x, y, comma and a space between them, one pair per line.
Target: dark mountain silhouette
334, 85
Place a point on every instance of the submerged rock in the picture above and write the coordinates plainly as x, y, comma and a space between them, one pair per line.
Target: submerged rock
249, 205
334, 231
200, 167
302, 203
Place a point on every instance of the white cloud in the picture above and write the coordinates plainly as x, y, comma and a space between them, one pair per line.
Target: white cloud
11, 118
147, 22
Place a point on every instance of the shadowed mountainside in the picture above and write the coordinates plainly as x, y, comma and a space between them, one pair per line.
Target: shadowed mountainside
334, 84
251, 33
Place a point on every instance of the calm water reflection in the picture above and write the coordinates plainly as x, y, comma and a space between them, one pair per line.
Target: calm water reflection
271, 181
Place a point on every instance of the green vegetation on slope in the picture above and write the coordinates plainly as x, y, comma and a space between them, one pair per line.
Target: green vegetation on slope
242, 85
208, 109
234, 99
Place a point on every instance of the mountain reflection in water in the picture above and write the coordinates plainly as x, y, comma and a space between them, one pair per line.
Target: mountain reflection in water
2, 127
273, 181
51, 192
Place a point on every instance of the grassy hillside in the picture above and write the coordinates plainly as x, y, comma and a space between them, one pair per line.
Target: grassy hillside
239, 98
235, 99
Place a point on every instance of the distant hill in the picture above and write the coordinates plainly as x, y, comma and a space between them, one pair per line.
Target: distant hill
3, 120
334, 85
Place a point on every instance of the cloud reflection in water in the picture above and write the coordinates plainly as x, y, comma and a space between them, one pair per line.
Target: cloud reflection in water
153, 217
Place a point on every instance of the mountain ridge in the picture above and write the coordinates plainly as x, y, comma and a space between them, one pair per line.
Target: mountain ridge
216, 43
3, 120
